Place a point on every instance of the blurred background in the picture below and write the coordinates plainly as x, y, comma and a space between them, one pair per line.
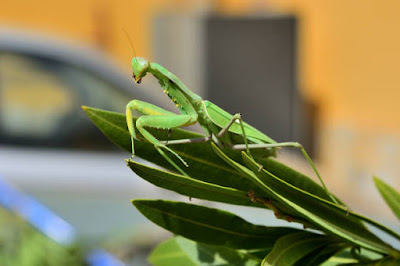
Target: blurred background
319, 72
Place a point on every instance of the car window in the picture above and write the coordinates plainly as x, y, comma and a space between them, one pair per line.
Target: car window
40, 101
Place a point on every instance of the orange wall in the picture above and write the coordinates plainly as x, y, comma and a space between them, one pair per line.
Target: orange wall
349, 56
95, 22
349, 49
354, 60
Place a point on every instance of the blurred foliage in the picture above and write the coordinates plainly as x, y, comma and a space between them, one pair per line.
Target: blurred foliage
23, 245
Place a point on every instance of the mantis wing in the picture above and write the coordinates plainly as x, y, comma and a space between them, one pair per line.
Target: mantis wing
221, 118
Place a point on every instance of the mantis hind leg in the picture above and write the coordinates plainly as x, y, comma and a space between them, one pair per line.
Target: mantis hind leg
248, 147
288, 144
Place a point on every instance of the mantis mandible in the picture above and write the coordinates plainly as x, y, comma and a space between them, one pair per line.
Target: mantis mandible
218, 125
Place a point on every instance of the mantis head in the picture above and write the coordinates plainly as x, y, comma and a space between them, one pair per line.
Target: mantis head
139, 67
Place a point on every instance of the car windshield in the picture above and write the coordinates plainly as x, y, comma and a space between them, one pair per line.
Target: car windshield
41, 98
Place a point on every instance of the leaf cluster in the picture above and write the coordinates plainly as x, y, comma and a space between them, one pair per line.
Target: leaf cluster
332, 234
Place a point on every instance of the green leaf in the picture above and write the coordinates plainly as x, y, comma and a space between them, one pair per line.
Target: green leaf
324, 214
347, 256
196, 188
322, 254
291, 248
209, 226
387, 261
171, 253
204, 164
329, 216
337, 260
192, 187
182, 251
391, 196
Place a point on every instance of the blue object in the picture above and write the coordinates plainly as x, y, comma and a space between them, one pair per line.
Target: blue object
35, 213
100, 257
49, 223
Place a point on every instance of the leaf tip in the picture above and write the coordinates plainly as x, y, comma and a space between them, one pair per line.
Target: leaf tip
377, 181
85, 108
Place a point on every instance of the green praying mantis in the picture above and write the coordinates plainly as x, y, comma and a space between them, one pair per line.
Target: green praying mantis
219, 126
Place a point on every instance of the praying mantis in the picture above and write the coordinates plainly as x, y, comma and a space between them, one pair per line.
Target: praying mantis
217, 124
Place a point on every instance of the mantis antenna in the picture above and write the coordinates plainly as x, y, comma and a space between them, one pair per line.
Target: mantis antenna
130, 41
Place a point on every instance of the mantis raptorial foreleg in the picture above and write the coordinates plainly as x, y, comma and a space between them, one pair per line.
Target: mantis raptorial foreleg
156, 117
145, 109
